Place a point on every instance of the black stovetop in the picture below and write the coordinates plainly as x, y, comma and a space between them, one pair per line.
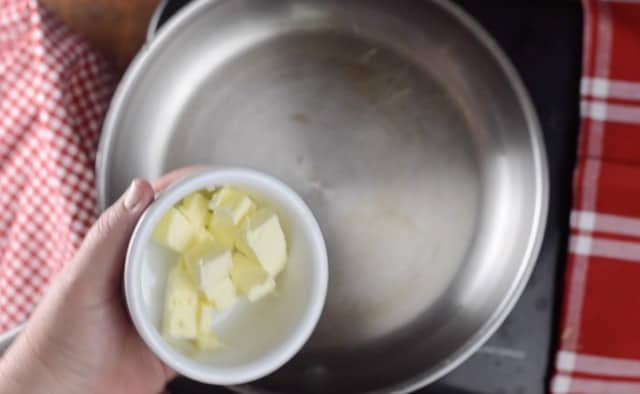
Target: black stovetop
543, 40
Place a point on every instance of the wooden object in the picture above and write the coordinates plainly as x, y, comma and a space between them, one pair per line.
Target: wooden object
115, 27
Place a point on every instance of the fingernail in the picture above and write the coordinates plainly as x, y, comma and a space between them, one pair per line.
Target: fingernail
133, 198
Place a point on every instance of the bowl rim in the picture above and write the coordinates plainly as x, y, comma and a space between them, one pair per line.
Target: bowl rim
286, 349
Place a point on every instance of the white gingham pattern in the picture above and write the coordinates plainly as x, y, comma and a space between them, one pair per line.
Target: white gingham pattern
54, 91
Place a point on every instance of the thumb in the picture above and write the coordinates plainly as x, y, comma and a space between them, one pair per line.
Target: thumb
100, 259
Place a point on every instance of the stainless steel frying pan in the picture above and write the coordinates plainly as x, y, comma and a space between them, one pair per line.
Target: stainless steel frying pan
405, 129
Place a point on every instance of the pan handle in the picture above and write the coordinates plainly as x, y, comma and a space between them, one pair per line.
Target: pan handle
155, 23
164, 11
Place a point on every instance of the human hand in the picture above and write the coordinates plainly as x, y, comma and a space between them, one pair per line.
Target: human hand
79, 339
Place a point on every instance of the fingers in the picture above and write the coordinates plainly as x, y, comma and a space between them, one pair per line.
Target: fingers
168, 179
100, 259
114, 226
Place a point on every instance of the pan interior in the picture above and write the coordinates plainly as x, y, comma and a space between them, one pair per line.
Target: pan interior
375, 146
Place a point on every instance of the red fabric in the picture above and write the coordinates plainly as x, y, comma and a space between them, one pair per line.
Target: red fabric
600, 334
53, 93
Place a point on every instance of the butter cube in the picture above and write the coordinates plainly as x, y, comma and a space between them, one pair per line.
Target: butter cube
223, 229
209, 264
250, 278
232, 203
202, 236
206, 339
174, 231
195, 209
181, 306
222, 295
264, 239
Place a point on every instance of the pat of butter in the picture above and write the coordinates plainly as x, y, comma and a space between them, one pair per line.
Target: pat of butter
195, 209
223, 229
263, 239
181, 306
222, 295
250, 278
174, 231
208, 263
206, 339
232, 203
202, 236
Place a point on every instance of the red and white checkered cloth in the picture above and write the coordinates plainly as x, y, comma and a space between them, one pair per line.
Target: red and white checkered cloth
600, 334
54, 91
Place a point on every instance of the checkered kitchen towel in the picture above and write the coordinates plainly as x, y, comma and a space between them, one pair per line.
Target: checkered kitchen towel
54, 92
600, 334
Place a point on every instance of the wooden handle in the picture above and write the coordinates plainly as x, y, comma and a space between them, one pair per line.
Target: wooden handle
115, 27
